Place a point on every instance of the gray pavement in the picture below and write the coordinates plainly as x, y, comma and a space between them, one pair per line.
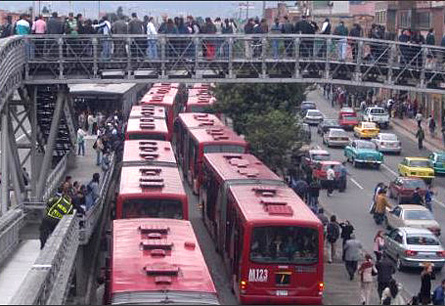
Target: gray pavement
354, 204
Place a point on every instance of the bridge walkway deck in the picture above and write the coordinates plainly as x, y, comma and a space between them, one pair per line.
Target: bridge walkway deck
15, 268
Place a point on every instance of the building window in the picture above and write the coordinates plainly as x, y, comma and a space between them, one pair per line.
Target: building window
423, 20
405, 19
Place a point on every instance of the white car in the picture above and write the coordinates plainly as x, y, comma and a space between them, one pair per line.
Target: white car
412, 215
313, 117
336, 137
387, 142
378, 115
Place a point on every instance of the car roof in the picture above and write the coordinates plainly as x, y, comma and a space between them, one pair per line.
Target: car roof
374, 107
387, 134
413, 207
336, 130
318, 151
308, 102
416, 158
330, 162
412, 230
410, 178
347, 109
362, 140
313, 110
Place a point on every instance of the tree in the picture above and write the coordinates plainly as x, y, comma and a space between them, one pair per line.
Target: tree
272, 136
237, 101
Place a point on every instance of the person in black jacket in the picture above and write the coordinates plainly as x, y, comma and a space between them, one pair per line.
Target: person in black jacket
346, 231
287, 28
7, 28
356, 31
313, 194
304, 27
325, 30
385, 270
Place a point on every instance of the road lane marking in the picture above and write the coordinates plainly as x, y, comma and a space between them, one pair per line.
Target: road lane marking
390, 170
356, 183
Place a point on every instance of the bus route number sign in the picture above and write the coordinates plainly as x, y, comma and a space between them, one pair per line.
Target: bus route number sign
258, 275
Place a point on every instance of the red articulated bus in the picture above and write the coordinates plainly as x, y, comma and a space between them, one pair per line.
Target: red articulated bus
199, 103
147, 128
167, 98
138, 111
165, 85
272, 245
221, 170
148, 152
203, 85
208, 140
157, 261
151, 192
187, 121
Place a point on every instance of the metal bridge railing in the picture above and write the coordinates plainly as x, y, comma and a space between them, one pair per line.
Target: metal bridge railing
228, 57
48, 280
10, 225
89, 220
55, 178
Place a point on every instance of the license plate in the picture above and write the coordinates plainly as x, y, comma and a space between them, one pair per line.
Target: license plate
281, 293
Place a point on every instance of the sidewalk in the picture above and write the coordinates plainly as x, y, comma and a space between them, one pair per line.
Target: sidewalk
409, 127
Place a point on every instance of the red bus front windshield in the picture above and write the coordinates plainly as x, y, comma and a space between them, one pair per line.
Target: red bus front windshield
284, 245
152, 208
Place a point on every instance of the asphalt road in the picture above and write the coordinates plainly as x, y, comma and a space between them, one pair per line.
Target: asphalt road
353, 205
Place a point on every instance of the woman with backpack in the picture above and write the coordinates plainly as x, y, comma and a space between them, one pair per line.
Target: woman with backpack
332, 235
366, 271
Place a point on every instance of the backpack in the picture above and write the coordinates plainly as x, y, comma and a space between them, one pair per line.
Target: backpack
333, 231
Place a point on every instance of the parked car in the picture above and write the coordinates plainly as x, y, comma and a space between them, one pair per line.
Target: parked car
336, 137
313, 117
312, 157
320, 172
411, 215
402, 188
327, 124
437, 160
305, 106
411, 247
348, 118
363, 152
388, 142
378, 115
366, 130
417, 167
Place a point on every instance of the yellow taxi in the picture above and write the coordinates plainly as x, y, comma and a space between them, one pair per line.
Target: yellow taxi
366, 130
417, 167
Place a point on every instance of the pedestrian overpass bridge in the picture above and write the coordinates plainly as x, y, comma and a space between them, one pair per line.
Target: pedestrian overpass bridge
35, 71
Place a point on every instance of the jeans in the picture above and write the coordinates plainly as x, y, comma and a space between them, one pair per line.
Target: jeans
106, 48
275, 45
342, 49
81, 148
313, 202
331, 248
365, 292
98, 159
152, 49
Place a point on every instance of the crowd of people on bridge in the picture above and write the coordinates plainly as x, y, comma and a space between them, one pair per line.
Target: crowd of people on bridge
75, 25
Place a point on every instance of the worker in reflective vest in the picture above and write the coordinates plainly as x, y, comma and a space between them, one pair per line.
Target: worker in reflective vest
57, 207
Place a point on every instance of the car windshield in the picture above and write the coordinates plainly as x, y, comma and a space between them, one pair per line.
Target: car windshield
365, 145
350, 117
307, 105
420, 163
412, 184
337, 133
284, 244
321, 156
314, 112
368, 125
388, 137
330, 122
418, 215
378, 111
441, 157
422, 240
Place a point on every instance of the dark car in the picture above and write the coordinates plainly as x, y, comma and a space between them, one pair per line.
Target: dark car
402, 188
327, 124
305, 106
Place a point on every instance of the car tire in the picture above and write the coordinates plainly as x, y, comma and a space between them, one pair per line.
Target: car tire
399, 264
377, 166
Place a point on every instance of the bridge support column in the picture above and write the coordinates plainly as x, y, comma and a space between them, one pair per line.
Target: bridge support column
4, 163
46, 164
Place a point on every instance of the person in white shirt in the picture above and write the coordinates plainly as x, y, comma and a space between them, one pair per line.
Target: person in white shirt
330, 174
152, 48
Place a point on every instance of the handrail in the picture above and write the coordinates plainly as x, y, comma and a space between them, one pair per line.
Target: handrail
10, 224
48, 280
55, 177
91, 217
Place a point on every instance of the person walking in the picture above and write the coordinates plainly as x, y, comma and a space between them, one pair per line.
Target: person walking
98, 147
104, 28
92, 191
429, 198
425, 286
7, 27
341, 30
136, 26
313, 194
332, 235
275, 29
346, 233
81, 142
432, 126
417, 198
330, 174
420, 135
385, 270
324, 220
379, 244
380, 207
342, 178
391, 295
419, 118
120, 27
152, 42
90, 120
438, 297
366, 271
352, 254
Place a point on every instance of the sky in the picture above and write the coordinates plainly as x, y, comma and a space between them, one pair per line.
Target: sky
155, 8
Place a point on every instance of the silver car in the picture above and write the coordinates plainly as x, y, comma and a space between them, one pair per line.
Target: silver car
336, 137
313, 117
388, 142
411, 247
